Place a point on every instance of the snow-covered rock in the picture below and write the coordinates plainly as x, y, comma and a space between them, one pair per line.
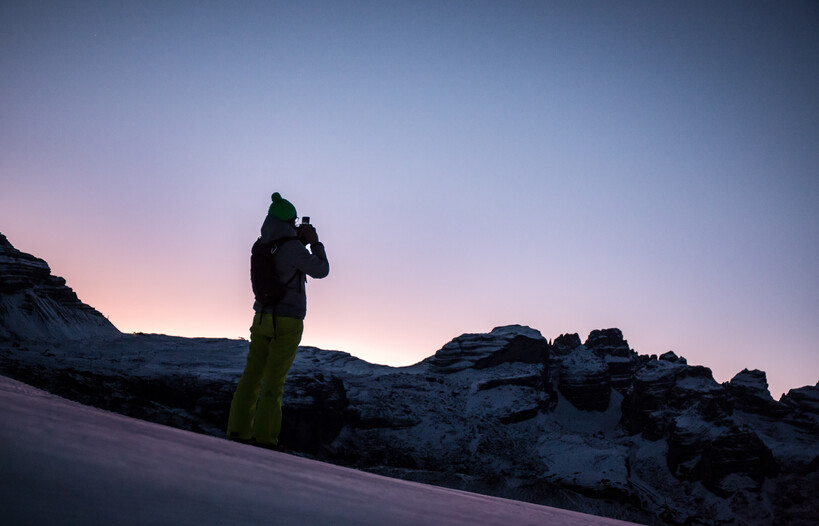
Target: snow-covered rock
645, 411
565, 343
621, 360
513, 343
36, 305
749, 392
585, 380
506, 413
804, 400
754, 383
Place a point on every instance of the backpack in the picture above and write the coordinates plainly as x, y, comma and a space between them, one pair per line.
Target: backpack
267, 286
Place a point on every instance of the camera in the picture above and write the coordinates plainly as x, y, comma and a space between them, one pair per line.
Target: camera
305, 220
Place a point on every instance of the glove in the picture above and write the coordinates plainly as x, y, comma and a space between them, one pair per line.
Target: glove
307, 234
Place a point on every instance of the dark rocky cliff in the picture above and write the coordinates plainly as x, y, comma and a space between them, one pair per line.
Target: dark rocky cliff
34, 304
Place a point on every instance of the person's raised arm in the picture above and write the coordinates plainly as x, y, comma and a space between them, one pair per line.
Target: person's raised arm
313, 264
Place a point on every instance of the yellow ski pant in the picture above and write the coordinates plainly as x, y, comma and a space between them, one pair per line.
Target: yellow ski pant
257, 415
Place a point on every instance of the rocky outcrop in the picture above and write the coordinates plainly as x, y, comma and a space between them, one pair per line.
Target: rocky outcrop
684, 406
736, 451
513, 343
621, 360
750, 384
645, 410
699, 450
589, 426
589, 371
748, 391
805, 400
35, 305
566, 343
672, 357
584, 380
803, 405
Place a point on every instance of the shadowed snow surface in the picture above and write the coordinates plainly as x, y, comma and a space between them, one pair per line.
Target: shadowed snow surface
65, 463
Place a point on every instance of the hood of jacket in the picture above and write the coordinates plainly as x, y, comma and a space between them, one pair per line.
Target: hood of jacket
274, 228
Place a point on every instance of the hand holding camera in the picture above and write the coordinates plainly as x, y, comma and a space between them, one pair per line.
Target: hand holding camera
307, 232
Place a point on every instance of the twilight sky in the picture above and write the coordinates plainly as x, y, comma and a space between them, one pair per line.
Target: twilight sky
652, 166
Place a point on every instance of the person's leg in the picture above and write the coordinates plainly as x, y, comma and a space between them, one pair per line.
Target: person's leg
281, 352
243, 406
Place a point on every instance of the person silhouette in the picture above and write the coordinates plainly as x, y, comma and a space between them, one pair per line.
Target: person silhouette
255, 410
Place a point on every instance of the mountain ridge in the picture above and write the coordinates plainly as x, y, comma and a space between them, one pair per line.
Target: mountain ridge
592, 426
34, 304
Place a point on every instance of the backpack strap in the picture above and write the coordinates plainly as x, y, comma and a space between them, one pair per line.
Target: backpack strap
278, 242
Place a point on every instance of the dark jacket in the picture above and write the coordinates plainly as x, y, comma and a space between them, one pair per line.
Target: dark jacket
293, 264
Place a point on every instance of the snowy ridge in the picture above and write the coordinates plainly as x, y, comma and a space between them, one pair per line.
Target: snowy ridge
591, 426
477, 350
673, 447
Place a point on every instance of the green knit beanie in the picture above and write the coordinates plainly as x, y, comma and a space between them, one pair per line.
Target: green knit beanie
281, 208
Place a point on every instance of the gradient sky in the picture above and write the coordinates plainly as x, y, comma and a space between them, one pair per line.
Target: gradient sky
652, 166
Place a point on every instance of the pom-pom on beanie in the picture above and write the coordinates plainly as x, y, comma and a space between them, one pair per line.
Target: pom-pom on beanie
281, 208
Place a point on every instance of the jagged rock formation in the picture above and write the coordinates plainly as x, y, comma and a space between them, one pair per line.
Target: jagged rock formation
748, 391
805, 401
585, 380
621, 360
590, 426
36, 305
565, 343
514, 343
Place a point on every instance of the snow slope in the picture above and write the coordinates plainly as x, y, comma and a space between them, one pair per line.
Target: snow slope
492, 421
65, 463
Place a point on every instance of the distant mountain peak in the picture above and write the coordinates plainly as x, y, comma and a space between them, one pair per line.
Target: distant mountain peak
517, 330
509, 343
34, 304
